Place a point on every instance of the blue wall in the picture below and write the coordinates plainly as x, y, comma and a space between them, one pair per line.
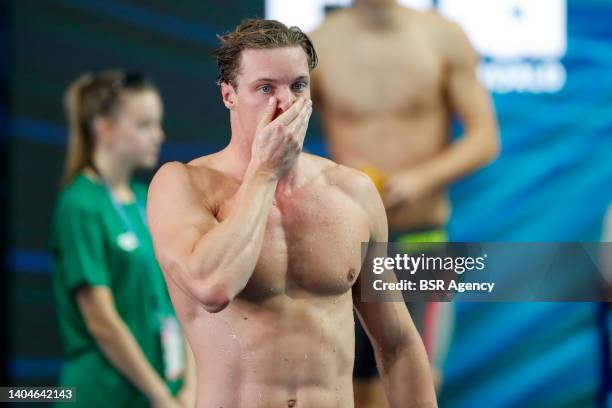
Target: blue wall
552, 182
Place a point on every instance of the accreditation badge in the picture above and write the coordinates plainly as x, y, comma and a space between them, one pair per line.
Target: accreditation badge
173, 348
127, 241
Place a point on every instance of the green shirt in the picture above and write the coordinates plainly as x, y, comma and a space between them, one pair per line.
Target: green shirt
89, 247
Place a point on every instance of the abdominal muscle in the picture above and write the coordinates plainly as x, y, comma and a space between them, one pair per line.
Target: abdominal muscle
282, 352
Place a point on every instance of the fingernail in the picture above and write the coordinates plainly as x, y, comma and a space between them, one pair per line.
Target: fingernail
271, 100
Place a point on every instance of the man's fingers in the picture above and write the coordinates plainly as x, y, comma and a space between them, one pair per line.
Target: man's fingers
304, 126
268, 113
290, 114
303, 115
391, 202
393, 197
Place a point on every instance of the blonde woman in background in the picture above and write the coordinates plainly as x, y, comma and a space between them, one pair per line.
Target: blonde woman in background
123, 343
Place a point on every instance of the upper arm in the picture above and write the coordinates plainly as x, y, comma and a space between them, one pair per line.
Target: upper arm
78, 245
178, 217
97, 306
387, 324
468, 98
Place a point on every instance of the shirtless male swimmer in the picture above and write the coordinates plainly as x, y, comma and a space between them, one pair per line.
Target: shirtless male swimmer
261, 247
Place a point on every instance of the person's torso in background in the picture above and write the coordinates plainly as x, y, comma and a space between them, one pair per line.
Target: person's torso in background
133, 277
382, 102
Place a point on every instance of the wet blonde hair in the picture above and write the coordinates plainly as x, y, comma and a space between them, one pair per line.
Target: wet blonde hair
258, 34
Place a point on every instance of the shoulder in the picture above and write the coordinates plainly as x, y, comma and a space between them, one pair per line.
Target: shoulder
336, 22
333, 21
81, 195
355, 184
171, 172
195, 183
448, 36
77, 206
172, 179
359, 188
434, 21
194, 175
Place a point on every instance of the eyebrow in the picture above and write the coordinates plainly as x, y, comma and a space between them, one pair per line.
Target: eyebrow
300, 78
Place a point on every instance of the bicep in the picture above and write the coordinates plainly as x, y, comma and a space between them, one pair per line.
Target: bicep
467, 96
387, 320
387, 323
177, 218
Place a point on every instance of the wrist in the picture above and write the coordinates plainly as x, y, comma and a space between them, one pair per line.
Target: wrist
420, 182
427, 177
260, 175
187, 386
159, 393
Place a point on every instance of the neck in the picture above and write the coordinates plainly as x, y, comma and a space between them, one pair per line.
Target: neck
239, 151
378, 14
116, 174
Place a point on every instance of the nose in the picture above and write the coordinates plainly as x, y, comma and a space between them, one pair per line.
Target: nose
285, 98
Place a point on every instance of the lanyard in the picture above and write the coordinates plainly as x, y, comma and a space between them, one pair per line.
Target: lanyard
127, 223
119, 210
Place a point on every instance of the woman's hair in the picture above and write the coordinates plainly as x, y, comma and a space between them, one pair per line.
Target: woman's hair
258, 34
89, 97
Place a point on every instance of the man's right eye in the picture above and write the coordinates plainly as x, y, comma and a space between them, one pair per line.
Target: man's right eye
265, 89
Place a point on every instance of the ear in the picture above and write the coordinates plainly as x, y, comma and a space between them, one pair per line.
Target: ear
228, 93
103, 129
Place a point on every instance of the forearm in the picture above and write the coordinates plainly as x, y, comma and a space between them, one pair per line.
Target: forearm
189, 380
407, 378
462, 157
123, 351
187, 392
226, 256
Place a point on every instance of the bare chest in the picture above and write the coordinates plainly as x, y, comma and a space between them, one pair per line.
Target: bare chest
373, 75
312, 245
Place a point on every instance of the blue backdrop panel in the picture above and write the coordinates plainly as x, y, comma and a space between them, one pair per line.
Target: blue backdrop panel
552, 182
